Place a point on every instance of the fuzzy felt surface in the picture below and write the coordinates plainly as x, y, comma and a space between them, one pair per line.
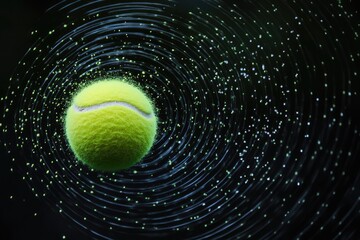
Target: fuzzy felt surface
113, 90
111, 136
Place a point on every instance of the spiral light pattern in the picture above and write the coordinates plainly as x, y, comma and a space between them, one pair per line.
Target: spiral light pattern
257, 137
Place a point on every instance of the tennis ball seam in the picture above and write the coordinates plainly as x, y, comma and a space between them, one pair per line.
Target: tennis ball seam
111, 104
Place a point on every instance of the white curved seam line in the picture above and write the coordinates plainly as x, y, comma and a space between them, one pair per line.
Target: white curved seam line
109, 104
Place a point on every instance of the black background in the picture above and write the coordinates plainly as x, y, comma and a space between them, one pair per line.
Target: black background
22, 215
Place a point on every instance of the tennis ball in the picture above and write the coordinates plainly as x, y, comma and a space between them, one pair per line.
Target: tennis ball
110, 125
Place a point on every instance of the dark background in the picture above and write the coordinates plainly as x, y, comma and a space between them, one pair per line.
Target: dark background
22, 215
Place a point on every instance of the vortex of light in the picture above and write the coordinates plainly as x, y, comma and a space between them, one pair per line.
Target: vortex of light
256, 137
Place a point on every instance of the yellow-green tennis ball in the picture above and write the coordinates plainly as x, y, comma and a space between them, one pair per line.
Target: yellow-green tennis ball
110, 125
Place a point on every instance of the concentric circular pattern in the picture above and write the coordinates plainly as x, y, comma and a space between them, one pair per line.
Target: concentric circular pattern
257, 136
